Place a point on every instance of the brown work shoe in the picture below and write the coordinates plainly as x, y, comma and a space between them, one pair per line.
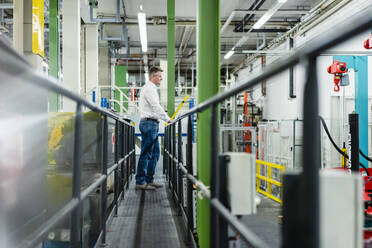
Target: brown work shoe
155, 185
144, 187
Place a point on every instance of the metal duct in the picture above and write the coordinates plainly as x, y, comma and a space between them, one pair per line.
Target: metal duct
103, 20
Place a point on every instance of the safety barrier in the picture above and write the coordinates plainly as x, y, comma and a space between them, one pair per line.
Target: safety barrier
268, 179
301, 191
11, 63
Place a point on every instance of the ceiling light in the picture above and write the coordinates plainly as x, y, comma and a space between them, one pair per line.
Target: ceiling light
229, 54
268, 14
142, 29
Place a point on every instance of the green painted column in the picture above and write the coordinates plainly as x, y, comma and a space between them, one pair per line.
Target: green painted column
208, 85
170, 52
53, 51
120, 81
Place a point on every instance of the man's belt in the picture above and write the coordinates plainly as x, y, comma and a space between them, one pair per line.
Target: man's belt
150, 119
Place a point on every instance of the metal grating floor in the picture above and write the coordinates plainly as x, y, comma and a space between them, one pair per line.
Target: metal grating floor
145, 219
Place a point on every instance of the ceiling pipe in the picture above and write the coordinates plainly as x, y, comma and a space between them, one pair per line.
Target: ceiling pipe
264, 52
184, 42
124, 36
313, 13
103, 20
282, 11
150, 22
245, 38
255, 6
323, 17
107, 38
267, 30
228, 21
307, 20
263, 44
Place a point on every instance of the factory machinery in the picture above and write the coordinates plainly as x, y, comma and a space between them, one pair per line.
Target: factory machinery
351, 164
314, 204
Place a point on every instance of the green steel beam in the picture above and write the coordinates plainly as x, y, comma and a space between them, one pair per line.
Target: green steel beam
53, 51
170, 52
120, 81
208, 85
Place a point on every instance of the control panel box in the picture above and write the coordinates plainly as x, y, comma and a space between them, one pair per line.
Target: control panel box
241, 182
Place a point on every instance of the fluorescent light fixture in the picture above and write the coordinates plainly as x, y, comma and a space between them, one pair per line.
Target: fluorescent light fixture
268, 14
142, 29
229, 54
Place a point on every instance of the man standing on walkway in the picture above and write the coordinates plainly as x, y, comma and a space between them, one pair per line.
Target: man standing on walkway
151, 112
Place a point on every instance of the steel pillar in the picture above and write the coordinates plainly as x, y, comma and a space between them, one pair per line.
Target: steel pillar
208, 85
53, 51
170, 52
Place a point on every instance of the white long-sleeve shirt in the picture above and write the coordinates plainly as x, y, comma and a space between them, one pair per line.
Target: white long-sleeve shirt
149, 105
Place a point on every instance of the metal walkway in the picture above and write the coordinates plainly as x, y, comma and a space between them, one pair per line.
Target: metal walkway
145, 219
265, 223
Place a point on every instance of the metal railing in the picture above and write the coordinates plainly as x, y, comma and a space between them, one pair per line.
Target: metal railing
301, 191
123, 167
267, 179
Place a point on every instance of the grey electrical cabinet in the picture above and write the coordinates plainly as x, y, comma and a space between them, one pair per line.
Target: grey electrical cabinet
241, 182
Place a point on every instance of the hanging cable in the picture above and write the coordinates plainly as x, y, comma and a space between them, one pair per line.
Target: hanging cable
364, 156
330, 138
365, 168
337, 148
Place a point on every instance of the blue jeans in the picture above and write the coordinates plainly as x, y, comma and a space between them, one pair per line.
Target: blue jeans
150, 152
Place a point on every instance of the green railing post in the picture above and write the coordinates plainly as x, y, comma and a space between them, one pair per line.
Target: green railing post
208, 84
53, 51
170, 52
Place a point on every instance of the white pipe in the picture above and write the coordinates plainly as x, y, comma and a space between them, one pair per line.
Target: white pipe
323, 17
281, 11
264, 52
184, 41
228, 21
320, 5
